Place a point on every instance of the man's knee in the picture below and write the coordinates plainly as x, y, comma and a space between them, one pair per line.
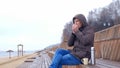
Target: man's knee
59, 50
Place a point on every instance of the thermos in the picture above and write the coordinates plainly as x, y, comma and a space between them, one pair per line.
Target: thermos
92, 55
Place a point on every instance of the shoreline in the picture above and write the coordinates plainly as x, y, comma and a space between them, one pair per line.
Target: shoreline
14, 61
13, 54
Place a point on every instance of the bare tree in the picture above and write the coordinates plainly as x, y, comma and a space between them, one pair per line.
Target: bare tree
105, 17
67, 31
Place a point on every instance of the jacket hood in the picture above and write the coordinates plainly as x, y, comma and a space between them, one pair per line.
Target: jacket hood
82, 18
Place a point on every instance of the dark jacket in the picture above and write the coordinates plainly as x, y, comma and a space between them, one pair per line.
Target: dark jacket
82, 40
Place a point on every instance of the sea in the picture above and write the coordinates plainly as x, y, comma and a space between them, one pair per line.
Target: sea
15, 53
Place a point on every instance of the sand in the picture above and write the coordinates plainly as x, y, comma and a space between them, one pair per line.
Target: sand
14, 61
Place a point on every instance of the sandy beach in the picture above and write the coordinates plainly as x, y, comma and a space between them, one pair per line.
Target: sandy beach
14, 61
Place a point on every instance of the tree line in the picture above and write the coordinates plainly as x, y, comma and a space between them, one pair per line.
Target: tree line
105, 17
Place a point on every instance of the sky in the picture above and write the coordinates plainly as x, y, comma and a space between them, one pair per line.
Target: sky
39, 23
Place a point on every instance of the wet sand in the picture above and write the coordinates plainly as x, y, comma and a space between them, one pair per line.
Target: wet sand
14, 61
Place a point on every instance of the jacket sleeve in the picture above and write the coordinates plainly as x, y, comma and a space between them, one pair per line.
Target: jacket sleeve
71, 40
87, 37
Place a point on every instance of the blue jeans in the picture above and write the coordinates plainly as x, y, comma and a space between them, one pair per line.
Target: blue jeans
63, 57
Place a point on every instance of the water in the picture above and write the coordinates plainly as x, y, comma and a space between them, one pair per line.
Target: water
6, 54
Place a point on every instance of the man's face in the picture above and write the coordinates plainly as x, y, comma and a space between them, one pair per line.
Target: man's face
78, 22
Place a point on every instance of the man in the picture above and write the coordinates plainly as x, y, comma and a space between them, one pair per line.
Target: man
82, 38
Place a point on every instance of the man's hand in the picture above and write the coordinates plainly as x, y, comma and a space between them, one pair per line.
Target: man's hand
75, 28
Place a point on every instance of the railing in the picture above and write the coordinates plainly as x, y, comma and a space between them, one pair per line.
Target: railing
107, 43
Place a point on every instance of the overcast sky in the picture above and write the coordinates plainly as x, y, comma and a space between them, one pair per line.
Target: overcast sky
39, 23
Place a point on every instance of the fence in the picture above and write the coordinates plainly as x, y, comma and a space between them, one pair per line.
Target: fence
107, 43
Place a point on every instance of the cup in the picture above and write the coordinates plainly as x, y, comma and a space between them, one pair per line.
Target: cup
85, 61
